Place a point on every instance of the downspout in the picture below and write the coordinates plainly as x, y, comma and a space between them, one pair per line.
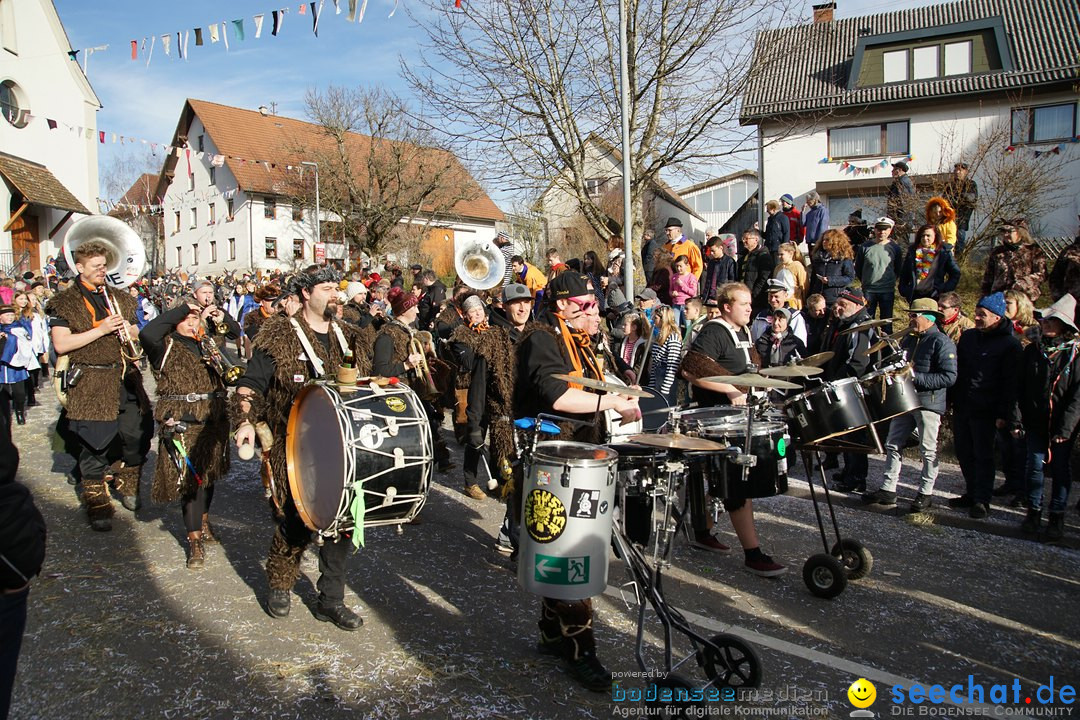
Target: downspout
251, 245
761, 178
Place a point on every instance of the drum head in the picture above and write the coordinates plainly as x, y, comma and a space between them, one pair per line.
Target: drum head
315, 454
574, 453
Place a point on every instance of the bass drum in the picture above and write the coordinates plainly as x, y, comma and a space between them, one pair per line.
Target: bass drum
366, 455
652, 415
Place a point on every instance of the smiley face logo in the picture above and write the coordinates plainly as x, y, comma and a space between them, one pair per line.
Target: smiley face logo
862, 693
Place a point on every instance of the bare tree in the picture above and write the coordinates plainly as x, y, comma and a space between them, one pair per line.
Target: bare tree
522, 83
121, 171
380, 174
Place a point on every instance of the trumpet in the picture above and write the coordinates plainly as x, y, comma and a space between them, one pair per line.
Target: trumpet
229, 372
130, 349
417, 347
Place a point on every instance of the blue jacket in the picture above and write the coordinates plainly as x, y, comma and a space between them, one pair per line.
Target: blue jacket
777, 231
838, 274
946, 274
933, 360
816, 222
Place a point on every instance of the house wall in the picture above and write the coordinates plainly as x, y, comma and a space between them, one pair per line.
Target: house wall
729, 195
940, 134
50, 88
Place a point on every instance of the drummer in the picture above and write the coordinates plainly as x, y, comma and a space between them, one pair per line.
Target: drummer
727, 341
559, 344
288, 354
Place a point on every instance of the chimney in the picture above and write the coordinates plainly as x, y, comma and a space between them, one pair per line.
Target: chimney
824, 13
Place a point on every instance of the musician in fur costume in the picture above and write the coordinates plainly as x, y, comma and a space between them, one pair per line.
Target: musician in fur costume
266, 297
107, 408
289, 353
190, 393
486, 354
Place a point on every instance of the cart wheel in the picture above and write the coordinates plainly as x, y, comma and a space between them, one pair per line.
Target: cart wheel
824, 575
677, 703
731, 662
856, 559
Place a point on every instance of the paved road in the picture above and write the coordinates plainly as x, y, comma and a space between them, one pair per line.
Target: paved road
120, 628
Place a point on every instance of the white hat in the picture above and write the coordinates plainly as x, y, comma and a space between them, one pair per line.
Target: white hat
1064, 310
353, 289
884, 222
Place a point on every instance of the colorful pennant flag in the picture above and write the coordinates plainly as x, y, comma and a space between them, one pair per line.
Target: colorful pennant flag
238, 29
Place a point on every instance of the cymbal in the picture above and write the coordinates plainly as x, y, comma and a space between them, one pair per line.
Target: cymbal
675, 441
883, 343
791, 371
605, 386
753, 380
865, 326
818, 360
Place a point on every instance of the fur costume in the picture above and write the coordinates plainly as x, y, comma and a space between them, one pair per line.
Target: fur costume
283, 563
253, 321
494, 346
127, 479
96, 500
400, 337
206, 444
278, 339
570, 620
88, 400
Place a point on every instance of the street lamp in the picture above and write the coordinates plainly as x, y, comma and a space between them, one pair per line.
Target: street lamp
318, 235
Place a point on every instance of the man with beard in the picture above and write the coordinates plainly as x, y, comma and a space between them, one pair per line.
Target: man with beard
289, 353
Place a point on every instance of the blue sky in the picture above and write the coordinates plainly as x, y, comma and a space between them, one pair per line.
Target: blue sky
144, 101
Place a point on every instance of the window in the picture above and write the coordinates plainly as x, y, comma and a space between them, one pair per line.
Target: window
958, 58
270, 209
213, 214
176, 222
869, 140
8, 37
896, 66
195, 254
925, 62
13, 103
179, 257
297, 212
213, 251
228, 209
705, 201
194, 216
1043, 124
298, 249
721, 199
232, 248
201, 143
739, 193
191, 181
594, 186
271, 247
213, 176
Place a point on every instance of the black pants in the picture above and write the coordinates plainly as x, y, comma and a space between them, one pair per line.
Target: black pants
1013, 460
12, 626
16, 396
195, 506
332, 555
856, 464
474, 456
973, 437
129, 443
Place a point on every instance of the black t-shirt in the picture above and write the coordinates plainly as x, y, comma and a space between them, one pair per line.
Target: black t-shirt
717, 342
260, 368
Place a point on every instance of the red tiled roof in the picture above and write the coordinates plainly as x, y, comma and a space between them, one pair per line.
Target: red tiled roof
268, 144
141, 192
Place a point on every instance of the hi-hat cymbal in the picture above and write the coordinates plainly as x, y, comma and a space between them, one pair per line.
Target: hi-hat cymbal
818, 360
753, 380
791, 371
865, 326
605, 386
884, 343
676, 441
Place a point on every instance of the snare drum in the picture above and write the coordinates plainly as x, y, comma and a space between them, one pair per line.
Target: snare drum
374, 441
637, 478
890, 392
768, 445
650, 420
829, 411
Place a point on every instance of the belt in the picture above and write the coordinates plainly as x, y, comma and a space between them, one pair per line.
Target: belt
110, 366
195, 397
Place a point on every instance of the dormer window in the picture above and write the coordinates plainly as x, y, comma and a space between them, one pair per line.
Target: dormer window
926, 62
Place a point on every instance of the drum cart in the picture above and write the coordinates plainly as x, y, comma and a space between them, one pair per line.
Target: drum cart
726, 660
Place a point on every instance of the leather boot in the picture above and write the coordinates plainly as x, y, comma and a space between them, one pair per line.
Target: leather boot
20, 417
1032, 521
208, 536
1055, 526
278, 602
196, 553
127, 484
339, 614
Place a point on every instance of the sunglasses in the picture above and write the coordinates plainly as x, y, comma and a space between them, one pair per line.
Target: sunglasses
584, 305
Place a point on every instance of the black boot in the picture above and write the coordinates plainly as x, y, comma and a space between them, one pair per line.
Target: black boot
1032, 521
20, 417
339, 614
278, 602
1055, 526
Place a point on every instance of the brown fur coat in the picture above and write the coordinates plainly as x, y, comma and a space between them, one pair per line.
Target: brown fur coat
495, 347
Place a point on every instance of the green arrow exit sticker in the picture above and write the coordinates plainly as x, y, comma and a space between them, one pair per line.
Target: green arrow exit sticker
561, 570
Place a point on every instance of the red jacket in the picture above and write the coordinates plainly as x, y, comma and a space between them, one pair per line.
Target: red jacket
798, 232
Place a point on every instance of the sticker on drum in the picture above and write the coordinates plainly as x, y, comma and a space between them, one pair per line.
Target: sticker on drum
603, 507
360, 414
584, 504
802, 420
543, 478
545, 516
370, 436
395, 404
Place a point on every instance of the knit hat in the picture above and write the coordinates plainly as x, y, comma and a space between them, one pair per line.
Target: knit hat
568, 284
994, 303
401, 302
786, 198
854, 295
7, 309
781, 312
355, 288
472, 302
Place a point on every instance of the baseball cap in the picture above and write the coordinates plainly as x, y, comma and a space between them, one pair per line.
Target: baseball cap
516, 291
646, 294
568, 284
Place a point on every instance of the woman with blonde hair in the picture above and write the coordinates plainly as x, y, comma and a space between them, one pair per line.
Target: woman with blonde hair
1021, 311
833, 264
37, 329
666, 352
790, 266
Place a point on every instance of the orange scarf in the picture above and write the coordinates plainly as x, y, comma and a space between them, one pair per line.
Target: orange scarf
579, 348
89, 306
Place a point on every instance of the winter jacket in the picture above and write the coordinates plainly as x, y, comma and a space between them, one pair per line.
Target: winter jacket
796, 273
816, 222
933, 360
683, 287
773, 355
755, 269
689, 248
795, 223
898, 201
717, 272
945, 273
1015, 267
1048, 397
533, 278
963, 196
988, 364
1065, 277
777, 231
838, 274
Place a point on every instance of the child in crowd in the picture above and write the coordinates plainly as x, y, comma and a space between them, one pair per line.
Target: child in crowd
684, 285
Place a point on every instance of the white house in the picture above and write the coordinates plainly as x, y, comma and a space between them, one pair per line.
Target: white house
718, 200
561, 212
48, 135
926, 85
225, 193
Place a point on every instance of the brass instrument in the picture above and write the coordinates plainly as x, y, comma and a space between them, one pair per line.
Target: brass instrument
479, 263
130, 349
229, 372
416, 347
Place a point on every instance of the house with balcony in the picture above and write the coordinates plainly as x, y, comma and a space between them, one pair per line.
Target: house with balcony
48, 135
962, 81
235, 195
